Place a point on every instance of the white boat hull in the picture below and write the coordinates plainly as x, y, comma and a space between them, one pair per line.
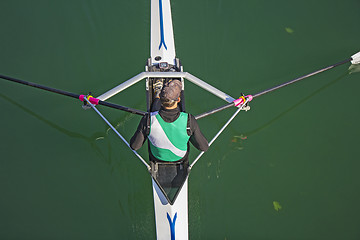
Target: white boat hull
171, 220
162, 36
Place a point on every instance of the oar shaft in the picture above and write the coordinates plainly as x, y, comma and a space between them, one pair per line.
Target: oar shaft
35, 85
73, 95
275, 88
123, 108
300, 78
205, 114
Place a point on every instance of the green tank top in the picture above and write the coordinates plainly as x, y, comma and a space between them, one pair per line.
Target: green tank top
168, 141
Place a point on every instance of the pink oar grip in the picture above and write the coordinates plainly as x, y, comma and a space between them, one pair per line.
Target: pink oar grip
241, 100
82, 98
249, 97
92, 100
238, 101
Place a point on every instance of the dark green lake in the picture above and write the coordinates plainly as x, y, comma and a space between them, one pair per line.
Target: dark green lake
286, 169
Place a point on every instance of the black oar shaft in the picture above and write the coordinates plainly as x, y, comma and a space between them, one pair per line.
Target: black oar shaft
274, 88
35, 85
205, 114
73, 95
123, 108
300, 78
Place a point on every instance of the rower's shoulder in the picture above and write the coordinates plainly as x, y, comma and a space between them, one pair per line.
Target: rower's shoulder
192, 123
191, 116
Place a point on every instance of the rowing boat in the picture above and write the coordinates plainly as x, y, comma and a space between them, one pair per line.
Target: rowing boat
169, 180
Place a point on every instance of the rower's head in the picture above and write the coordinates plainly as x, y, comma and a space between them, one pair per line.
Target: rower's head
170, 94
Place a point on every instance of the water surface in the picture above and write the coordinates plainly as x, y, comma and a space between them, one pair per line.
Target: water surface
65, 175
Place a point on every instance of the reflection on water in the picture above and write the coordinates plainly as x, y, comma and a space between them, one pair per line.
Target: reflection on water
238, 141
98, 141
305, 99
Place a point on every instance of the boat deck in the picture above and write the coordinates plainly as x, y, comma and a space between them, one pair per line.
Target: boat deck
170, 177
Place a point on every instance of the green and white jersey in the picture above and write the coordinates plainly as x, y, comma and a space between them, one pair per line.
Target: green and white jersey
168, 141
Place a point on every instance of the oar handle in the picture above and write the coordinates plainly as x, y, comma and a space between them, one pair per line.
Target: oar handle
215, 110
237, 102
123, 108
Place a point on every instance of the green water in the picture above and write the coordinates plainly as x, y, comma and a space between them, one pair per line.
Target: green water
287, 169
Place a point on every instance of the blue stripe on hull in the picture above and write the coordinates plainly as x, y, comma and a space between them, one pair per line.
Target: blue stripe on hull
172, 225
162, 38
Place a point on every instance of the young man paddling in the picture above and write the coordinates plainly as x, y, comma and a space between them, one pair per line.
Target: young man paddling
168, 130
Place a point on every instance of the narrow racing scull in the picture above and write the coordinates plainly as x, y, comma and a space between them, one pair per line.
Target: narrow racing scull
169, 180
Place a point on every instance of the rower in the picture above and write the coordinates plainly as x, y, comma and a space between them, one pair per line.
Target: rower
168, 130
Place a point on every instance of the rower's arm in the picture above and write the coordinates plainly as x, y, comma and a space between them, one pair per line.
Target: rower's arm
197, 138
140, 135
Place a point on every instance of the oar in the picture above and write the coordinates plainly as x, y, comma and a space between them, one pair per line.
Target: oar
355, 59
73, 95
